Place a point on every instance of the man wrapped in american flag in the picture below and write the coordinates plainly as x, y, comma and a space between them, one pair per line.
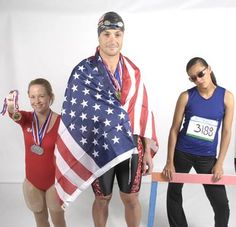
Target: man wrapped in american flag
107, 128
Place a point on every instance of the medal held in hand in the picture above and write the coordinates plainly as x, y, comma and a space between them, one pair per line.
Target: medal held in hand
12, 97
16, 116
38, 133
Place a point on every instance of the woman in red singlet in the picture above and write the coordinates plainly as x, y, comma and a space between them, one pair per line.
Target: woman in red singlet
39, 128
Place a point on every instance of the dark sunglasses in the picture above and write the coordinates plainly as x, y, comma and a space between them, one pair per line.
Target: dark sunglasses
199, 75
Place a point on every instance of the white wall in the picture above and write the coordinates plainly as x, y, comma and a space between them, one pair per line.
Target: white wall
48, 38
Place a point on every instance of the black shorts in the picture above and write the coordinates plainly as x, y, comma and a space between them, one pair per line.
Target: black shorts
235, 164
128, 174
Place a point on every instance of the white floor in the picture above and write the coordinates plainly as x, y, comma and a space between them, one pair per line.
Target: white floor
14, 213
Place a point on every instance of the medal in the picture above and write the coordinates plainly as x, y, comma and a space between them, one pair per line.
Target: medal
16, 116
118, 94
37, 149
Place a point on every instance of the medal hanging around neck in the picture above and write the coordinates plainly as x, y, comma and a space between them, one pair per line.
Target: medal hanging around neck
116, 78
38, 133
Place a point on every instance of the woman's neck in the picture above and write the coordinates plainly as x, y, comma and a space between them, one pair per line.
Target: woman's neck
208, 91
42, 115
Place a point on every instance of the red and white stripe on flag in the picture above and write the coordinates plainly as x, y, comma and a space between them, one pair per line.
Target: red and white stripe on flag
134, 100
75, 169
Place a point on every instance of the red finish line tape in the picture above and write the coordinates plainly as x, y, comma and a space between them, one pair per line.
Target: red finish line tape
194, 178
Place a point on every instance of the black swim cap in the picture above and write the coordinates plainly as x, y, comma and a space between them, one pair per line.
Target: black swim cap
110, 20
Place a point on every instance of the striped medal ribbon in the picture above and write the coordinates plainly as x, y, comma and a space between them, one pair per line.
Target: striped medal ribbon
38, 133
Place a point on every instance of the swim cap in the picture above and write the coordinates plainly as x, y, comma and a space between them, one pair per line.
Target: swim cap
110, 20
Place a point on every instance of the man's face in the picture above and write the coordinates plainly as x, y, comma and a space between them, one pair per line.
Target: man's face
110, 42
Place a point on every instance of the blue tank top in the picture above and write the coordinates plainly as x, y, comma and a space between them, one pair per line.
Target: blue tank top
202, 120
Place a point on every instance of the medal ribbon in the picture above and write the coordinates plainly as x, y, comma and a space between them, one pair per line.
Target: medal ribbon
15, 99
38, 133
117, 77
118, 73
4, 108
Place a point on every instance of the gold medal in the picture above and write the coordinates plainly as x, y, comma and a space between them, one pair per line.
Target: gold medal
118, 94
16, 116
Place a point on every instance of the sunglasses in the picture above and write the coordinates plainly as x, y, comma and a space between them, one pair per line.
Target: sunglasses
199, 75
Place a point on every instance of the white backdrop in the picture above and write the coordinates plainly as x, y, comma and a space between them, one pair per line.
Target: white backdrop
48, 38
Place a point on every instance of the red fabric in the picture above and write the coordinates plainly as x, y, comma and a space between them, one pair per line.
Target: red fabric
138, 177
40, 169
134, 99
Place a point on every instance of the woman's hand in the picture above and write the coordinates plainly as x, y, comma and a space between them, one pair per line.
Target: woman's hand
10, 102
217, 172
168, 170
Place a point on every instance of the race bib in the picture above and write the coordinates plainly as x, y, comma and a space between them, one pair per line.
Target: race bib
202, 128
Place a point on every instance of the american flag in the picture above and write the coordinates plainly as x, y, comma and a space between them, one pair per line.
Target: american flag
96, 129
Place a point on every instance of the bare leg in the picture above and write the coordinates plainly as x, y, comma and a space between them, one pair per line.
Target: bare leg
58, 218
35, 200
55, 210
41, 218
100, 210
132, 209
